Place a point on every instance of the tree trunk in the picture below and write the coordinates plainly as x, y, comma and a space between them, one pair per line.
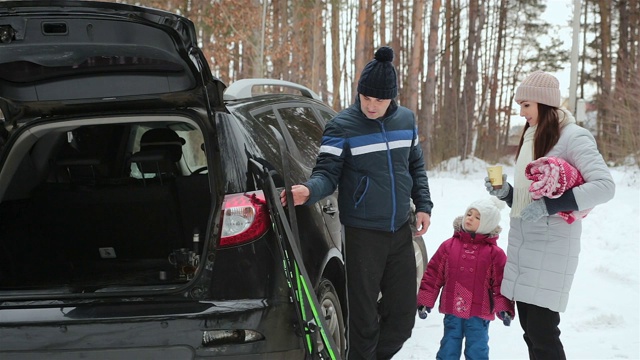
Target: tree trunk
470, 80
363, 53
604, 121
489, 136
415, 63
336, 72
426, 127
317, 59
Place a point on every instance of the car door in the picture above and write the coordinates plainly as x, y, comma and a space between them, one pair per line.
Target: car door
302, 129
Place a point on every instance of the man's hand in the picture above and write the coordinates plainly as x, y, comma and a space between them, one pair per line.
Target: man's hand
300, 195
423, 220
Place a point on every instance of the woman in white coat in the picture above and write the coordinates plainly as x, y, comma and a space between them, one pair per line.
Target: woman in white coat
543, 249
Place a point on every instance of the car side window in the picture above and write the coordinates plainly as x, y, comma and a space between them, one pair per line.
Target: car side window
193, 154
134, 140
265, 119
326, 116
305, 131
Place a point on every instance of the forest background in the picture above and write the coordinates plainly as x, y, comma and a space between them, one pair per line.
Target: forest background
459, 61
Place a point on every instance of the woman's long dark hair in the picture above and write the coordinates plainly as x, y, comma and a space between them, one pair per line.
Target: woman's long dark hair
547, 133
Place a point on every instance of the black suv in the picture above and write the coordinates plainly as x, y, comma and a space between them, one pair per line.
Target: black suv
135, 216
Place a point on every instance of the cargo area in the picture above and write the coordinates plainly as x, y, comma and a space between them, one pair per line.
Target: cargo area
109, 208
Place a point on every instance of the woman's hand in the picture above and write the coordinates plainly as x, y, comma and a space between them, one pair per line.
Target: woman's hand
501, 193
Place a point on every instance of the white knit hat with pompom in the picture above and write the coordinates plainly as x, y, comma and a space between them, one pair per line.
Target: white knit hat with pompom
489, 210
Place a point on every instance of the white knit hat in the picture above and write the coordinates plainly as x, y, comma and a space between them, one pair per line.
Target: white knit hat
489, 210
539, 87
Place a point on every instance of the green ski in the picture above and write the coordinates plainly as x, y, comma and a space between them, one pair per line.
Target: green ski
312, 324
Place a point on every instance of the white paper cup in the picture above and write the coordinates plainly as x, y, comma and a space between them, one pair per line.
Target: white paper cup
495, 176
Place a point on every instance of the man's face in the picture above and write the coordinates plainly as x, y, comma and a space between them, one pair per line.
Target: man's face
373, 108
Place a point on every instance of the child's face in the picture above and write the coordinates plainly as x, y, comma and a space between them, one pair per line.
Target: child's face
472, 220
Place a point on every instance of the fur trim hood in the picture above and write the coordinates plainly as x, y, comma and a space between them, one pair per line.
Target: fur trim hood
457, 227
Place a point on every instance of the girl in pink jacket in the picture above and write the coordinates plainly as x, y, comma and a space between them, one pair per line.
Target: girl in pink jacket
468, 268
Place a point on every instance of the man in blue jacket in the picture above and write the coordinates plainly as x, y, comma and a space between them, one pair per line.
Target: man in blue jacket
371, 151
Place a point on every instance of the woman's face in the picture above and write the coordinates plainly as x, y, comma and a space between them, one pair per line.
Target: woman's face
529, 110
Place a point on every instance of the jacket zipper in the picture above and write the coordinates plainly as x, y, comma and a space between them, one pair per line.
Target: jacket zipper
391, 176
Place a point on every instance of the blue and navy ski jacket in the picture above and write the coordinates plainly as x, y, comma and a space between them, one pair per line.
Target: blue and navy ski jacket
377, 166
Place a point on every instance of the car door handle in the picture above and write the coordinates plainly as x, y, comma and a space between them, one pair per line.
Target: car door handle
329, 209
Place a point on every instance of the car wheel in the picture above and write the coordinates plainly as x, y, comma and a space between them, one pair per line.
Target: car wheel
420, 251
331, 310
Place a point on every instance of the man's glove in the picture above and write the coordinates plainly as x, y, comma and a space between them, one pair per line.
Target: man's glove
534, 211
505, 317
422, 311
499, 193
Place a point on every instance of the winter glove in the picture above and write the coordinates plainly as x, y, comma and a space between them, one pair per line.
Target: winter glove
534, 211
499, 193
422, 311
505, 317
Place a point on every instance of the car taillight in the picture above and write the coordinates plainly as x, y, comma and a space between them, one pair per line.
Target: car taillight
245, 218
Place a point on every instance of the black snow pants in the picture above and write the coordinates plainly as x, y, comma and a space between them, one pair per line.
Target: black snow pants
541, 332
379, 262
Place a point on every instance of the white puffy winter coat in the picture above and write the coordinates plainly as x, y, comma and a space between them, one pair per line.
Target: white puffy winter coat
542, 256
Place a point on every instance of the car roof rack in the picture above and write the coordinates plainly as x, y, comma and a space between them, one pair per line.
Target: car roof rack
242, 89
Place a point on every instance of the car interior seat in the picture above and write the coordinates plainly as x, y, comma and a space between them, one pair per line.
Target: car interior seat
77, 161
160, 150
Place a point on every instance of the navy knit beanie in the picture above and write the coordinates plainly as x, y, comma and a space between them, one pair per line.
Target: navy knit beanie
378, 78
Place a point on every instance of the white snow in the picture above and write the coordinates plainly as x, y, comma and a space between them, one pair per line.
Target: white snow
601, 321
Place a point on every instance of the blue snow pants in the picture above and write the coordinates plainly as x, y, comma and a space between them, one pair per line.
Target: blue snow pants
476, 332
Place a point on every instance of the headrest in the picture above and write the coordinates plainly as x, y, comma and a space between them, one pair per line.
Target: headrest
163, 139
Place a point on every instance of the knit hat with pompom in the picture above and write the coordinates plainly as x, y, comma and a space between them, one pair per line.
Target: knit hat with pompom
378, 78
540, 87
489, 210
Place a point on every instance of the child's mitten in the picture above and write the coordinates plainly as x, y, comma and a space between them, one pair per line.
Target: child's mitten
422, 311
505, 317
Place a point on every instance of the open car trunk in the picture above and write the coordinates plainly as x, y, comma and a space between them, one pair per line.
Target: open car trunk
106, 209
87, 204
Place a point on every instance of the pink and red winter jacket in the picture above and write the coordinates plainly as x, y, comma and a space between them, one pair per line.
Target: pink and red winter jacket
468, 268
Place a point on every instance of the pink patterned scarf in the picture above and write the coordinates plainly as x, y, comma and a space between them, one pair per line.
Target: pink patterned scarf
551, 177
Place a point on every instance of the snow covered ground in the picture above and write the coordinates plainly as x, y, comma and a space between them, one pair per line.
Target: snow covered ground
601, 321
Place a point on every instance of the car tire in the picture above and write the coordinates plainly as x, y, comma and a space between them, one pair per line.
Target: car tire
331, 311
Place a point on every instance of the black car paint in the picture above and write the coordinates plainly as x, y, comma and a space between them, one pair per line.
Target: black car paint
236, 288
